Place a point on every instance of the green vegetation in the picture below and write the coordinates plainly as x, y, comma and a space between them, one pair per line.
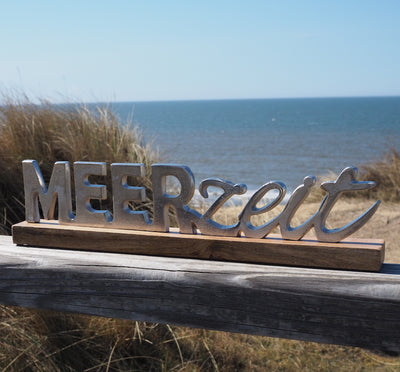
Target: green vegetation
33, 340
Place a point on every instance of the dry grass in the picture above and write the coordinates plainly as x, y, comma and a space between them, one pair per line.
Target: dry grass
33, 340
50, 133
386, 173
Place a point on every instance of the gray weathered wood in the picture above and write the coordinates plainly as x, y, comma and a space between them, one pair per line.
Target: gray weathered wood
341, 307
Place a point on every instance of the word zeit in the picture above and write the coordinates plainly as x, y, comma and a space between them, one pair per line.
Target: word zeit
189, 220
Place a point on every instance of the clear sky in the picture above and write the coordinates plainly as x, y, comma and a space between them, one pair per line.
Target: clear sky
168, 50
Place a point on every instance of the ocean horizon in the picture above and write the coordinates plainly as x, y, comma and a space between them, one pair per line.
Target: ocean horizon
254, 141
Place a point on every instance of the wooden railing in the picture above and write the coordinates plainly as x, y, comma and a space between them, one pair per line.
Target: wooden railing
328, 306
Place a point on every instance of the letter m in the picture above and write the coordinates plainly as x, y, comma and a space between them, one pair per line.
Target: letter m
36, 190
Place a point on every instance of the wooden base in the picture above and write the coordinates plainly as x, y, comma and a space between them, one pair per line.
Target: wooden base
350, 254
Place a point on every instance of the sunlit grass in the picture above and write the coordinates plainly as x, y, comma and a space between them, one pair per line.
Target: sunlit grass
48, 133
386, 173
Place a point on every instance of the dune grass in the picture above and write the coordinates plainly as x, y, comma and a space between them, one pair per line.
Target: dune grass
386, 173
48, 133
34, 340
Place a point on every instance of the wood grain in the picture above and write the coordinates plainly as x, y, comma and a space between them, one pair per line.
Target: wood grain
350, 254
329, 306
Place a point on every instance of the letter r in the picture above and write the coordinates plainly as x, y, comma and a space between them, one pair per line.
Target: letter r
163, 200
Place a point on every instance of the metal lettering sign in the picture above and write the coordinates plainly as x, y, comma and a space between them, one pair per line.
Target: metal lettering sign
189, 220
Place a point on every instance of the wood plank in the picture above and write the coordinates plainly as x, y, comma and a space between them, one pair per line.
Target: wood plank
329, 306
350, 254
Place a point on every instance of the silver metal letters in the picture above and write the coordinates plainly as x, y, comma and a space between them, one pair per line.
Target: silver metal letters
189, 220
123, 216
35, 188
85, 191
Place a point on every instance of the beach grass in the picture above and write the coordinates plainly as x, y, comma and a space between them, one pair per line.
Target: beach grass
36, 340
386, 173
48, 133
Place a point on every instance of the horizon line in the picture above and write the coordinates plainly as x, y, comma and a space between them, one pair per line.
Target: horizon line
236, 99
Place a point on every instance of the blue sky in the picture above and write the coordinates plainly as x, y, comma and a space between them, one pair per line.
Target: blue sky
171, 50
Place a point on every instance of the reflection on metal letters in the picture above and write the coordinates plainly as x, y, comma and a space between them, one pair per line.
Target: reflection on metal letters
296, 199
206, 224
163, 200
35, 188
251, 209
123, 216
189, 220
345, 182
85, 191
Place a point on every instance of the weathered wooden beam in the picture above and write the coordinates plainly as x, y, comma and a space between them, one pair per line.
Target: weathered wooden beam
349, 254
340, 307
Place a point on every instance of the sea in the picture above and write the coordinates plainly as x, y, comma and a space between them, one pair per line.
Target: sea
253, 141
